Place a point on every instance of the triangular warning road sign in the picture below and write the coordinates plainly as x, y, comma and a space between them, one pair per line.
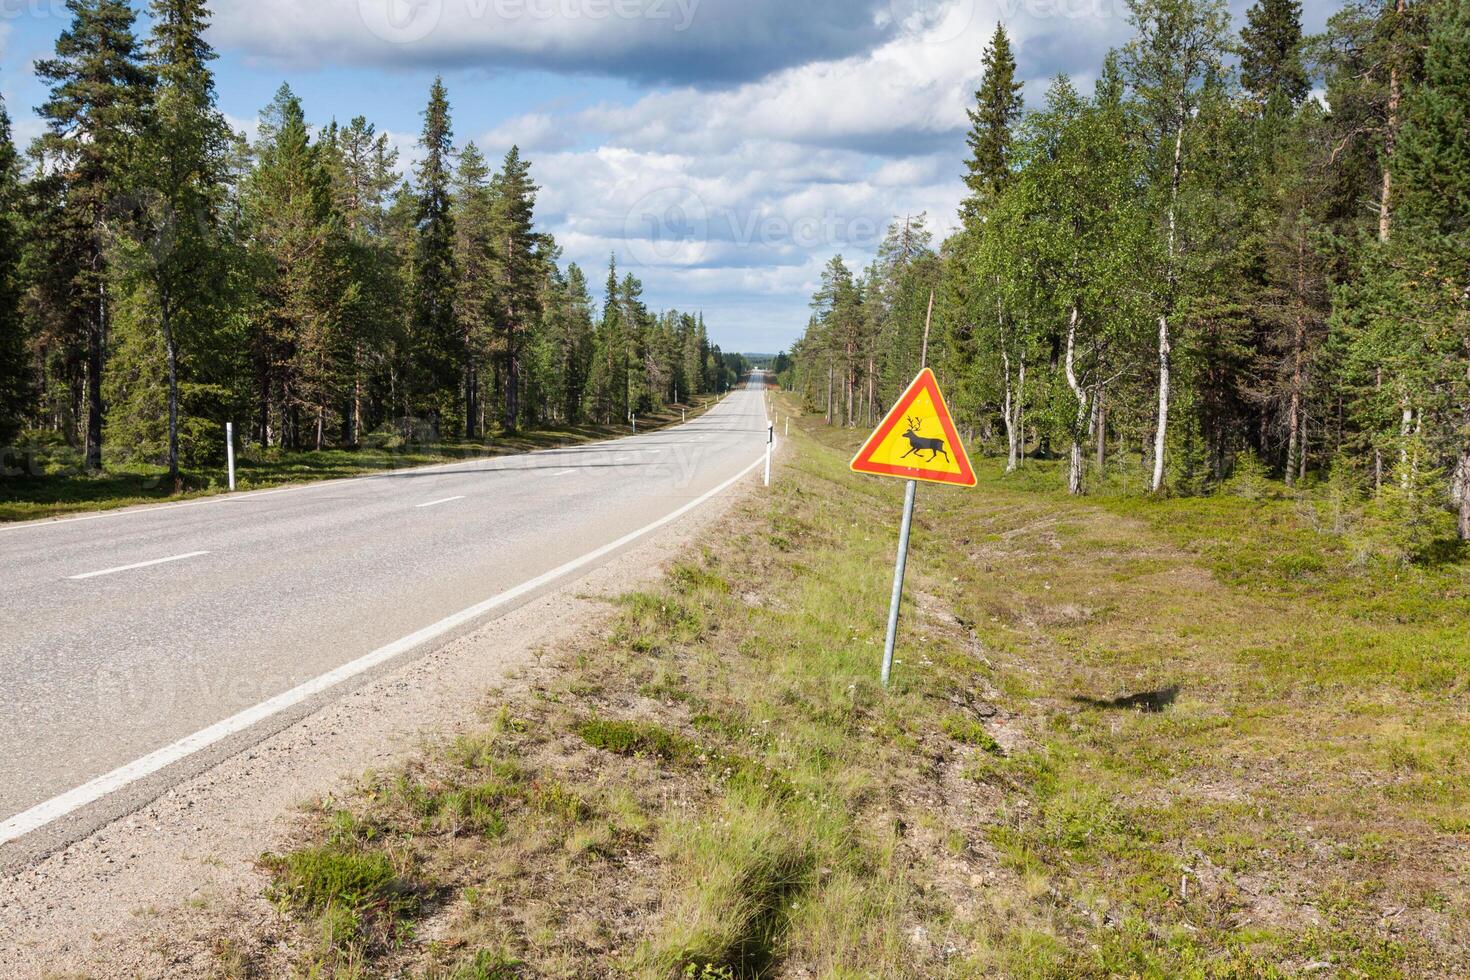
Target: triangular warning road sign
917, 440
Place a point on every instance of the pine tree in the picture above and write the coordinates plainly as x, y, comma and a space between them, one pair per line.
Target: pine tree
1271, 66
362, 164
518, 272
475, 299
96, 113
998, 105
435, 340
15, 382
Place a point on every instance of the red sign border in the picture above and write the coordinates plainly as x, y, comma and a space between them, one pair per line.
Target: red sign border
926, 381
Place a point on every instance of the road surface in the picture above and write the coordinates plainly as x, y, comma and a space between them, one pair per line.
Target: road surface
138, 644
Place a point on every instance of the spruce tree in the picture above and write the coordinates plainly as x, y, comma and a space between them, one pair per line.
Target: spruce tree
15, 383
175, 250
610, 387
1271, 66
997, 107
96, 115
1434, 229
636, 329
299, 243
435, 343
572, 342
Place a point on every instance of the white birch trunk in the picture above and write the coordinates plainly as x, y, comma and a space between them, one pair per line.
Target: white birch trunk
1161, 436
1074, 468
1007, 414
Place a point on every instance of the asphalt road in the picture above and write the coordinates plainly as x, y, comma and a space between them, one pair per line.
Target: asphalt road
128, 632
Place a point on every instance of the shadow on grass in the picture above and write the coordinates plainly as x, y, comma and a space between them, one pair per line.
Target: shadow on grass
1149, 702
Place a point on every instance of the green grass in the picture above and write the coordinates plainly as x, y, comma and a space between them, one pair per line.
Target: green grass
1201, 738
358, 900
45, 478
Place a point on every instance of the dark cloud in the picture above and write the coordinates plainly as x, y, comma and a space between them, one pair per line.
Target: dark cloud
704, 43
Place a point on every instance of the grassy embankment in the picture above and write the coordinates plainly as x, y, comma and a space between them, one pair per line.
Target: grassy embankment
47, 480
1194, 738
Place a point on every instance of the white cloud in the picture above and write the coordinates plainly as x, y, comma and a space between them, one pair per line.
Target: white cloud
734, 200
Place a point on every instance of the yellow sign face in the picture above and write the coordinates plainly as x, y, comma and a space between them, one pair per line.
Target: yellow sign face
917, 440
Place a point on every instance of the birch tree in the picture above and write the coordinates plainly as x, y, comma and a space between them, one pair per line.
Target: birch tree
1178, 50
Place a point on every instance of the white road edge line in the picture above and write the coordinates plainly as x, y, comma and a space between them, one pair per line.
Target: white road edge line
141, 564
436, 503
54, 809
564, 473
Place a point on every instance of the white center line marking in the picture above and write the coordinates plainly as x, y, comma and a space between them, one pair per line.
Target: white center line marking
43, 813
141, 564
436, 503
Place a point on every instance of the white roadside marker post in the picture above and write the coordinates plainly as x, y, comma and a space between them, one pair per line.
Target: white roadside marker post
230, 452
635, 425
770, 444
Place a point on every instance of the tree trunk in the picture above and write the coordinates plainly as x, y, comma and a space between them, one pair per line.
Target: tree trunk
354, 413
1007, 411
1161, 435
831, 377
1021, 415
1100, 429
513, 376
95, 346
171, 360
1074, 467
1391, 128
870, 389
1465, 455
1294, 410
1377, 449
471, 392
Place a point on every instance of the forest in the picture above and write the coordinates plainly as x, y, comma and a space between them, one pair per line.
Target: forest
1242, 256
161, 275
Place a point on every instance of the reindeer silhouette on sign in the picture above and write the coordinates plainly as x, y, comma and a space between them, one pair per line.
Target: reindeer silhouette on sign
918, 442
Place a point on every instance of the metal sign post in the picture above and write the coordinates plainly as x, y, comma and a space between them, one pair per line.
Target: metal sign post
898, 569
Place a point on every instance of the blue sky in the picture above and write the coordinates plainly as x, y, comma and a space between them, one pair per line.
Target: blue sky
722, 149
